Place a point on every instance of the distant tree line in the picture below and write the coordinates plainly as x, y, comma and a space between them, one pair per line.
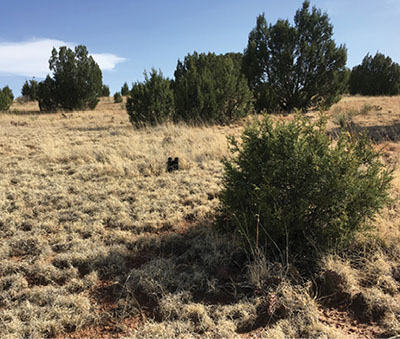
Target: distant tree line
284, 67
125, 89
123, 93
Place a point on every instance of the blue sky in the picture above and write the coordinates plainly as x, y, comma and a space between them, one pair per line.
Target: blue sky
127, 37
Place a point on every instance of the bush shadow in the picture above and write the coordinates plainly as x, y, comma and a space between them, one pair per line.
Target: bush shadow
377, 133
162, 271
91, 129
180, 261
26, 112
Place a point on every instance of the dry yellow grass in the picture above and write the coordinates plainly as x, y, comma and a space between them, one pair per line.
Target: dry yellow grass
98, 239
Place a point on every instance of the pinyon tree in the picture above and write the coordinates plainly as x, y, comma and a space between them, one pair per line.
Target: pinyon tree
8, 92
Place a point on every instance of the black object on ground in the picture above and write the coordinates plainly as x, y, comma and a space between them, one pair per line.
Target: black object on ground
172, 165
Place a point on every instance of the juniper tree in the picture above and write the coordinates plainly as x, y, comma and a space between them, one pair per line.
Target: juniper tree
117, 97
8, 92
30, 89
377, 75
105, 91
289, 191
211, 88
6, 98
151, 101
125, 89
295, 66
76, 82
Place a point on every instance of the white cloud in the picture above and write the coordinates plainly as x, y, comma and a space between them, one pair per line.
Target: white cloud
107, 61
30, 58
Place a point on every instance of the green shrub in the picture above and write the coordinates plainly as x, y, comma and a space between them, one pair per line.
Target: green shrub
288, 189
125, 89
6, 98
30, 89
211, 88
5, 102
117, 97
8, 92
47, 95
151, 101
105, 91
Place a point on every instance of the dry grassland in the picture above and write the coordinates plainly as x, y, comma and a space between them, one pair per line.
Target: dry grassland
99, 240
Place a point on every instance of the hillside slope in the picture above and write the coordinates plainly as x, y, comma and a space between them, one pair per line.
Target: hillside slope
99, 240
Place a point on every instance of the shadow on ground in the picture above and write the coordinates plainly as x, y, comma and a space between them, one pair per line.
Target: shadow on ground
196, 266
377, 133
198, 278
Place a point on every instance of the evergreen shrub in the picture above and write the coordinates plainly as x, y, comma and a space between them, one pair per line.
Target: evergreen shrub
6, 98
211, 88
117, 97
152, 101
289, 189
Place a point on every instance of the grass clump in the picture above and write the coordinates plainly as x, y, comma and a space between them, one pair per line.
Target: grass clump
289, 190
343, 117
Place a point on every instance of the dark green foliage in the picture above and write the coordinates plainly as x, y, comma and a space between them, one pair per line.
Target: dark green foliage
105, 91
117, 97
6, 98
254, 66
47, 98
30, 89
296, 66
210, 88
288, 190
125, 89
5, 102
8, 92
76, 82
151, 101
377, 75
346, 79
